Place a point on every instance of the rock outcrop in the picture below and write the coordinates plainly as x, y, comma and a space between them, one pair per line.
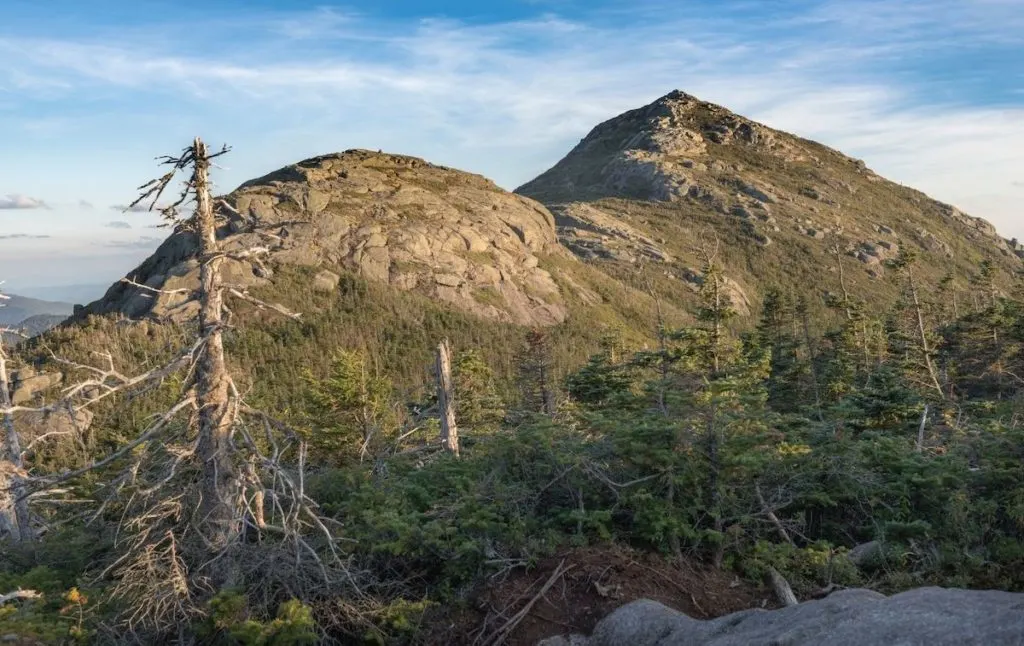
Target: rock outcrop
450, 235
921, 617
651, 184
27, 384
590, 233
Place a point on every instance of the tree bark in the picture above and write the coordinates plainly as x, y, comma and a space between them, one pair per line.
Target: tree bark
14, 513
923, 333
446, 399
219, 483
920, 430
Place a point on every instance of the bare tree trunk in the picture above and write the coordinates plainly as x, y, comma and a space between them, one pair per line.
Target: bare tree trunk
920, 431
922, 332
219, 482
779, 527
842, 281
446, 399
14, 514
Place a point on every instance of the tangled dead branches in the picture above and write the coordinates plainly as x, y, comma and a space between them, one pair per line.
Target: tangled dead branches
212, 493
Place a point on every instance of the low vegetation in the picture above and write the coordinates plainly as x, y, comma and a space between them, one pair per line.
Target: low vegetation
770, 448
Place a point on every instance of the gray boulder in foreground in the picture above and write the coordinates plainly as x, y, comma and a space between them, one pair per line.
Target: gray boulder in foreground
925, 617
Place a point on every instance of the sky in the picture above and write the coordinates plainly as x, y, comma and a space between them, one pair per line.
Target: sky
929, 93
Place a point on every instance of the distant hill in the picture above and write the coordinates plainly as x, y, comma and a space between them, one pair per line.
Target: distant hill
80, 293
19, 308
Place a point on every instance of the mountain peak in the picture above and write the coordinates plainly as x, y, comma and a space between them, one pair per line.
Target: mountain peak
645, 185
450, 235
653, 152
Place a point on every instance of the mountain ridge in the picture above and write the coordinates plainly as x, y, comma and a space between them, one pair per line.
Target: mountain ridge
17, 309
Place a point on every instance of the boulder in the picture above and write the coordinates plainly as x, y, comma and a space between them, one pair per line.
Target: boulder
55, 424
27, 383
326, 281
865, 554
921, 617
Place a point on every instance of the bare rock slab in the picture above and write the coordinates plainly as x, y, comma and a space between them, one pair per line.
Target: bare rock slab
921, 617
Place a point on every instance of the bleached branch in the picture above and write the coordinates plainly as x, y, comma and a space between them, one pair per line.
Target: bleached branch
19, 594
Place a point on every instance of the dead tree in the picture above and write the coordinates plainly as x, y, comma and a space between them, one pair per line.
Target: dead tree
219, 482
202, 492
905, 264
15, 521
919, 446
446, 399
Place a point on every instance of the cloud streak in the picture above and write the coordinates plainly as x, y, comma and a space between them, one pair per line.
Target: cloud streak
507, 99
145, 242
138, 208
18, 202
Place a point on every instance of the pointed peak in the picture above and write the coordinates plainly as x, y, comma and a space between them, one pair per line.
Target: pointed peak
678, 96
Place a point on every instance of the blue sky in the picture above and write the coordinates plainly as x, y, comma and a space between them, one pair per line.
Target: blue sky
928, 92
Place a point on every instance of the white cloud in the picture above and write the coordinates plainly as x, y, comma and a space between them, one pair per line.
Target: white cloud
508, 100
14, 202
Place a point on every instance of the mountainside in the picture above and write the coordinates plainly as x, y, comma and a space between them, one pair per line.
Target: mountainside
19, 308
655, 184
445, 234
387, 254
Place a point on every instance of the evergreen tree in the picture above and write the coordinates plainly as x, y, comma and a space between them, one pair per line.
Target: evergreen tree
535, 378
350, 412
478, 405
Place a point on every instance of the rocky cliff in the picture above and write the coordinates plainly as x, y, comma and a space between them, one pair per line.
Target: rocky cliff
453, 236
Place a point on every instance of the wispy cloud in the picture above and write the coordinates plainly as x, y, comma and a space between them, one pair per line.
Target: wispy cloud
118, 224
879, 79
124, 208
85, 205
145, 242
23, 236
13, 202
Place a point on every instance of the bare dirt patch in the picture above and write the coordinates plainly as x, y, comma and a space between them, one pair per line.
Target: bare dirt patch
571, 592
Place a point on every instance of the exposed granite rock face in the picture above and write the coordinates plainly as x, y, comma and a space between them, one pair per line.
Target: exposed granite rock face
655, 153
591, 233
680, 170
921, 617
54, 424
393, 219
26, 384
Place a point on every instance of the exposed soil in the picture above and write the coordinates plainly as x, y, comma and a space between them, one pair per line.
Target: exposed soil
591, 583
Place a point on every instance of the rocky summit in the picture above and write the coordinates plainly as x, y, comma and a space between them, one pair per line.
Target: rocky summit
650, 190
447, 234
652, 185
